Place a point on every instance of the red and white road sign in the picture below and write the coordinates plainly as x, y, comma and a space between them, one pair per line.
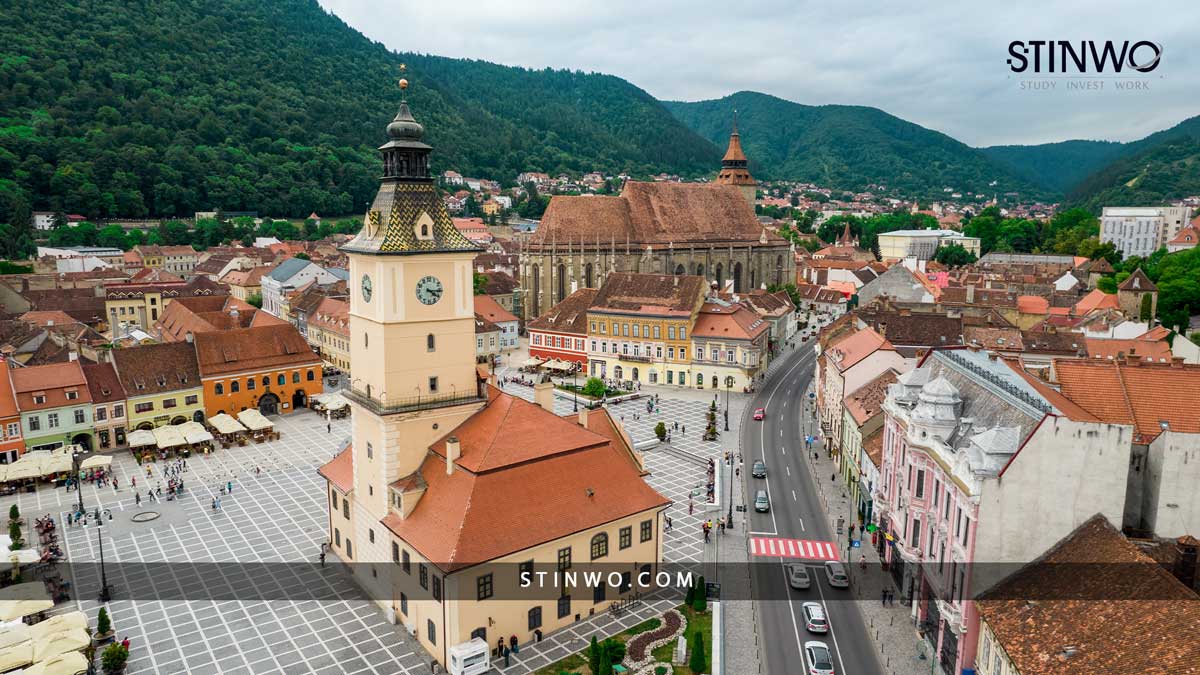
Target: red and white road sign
793, 548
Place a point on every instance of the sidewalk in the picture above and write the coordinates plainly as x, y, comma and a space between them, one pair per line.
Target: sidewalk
900, 650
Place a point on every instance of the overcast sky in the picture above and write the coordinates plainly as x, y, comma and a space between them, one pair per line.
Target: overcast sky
939, 64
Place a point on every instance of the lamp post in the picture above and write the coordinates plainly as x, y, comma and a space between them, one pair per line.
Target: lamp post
105, 590
728, 386
575, 388
76, 456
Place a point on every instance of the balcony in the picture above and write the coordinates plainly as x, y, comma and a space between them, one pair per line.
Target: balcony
637, 358
384, 405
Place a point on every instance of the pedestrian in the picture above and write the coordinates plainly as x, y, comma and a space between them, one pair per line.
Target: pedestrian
133, 481
218, 503
683, 429
668, 523
125, 644
321, 557
148, 474
721, 524
137, 498
214, 503
691, 506
883, 597
329, 427
229, 486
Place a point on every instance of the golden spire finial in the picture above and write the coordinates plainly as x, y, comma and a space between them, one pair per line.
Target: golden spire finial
403, 81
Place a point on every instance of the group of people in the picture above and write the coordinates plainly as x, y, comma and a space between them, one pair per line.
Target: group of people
708, 527
97, 477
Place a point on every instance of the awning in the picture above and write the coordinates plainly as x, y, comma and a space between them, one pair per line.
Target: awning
24, 599
62, 642
96, 462
71, 663
224, 424
334, 401
24, 556
28, 466
533, 361
194, 432
19, 653
168, 436
57, 462
141, 437
254, 420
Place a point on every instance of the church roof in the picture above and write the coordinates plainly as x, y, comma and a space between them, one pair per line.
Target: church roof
656, 214
734, 152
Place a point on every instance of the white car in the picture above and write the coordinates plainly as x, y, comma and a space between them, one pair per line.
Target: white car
835, 573
817, 658
797, 575
815, 620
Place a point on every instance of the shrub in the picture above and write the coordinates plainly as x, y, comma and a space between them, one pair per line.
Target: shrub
14, 533
594, 387
103, 623
114, 657
593, 655
660, 430
615, 649
699, 600
14, 513
696, 661
690, 597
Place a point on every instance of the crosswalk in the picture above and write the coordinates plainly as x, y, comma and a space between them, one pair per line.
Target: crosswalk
793, 548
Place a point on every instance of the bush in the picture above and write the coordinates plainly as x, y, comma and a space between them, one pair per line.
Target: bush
690, 597
14, 513
103, 623
700, 599
14, 533
594, 387
114, 657
616, 650
696, 661
660, 430
593, 655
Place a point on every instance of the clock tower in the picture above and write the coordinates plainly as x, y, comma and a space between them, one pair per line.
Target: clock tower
412, 325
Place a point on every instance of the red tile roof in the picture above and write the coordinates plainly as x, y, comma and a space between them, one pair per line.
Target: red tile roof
253, 349
846, 353
1032, 304
866, 401
512, 449
1139, 394
657, 294
1097, 299
340, 470
1135, 348
8, 398
1094, 604
103, 382
487, 307
568, 316
53, 381
52, 317
732, 322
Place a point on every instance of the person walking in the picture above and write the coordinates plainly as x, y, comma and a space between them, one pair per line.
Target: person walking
691, 506
137, 498
214, 503
229, 486
321, 557
329, 427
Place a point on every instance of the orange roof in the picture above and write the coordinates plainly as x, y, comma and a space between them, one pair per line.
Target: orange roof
51, 317
340, 470
1187, 235
332, 314
1135, 348
850, 350
1139, 394
1032, 304
252, 349
866, 401
51, 381
733, 322
1097, 299
734, 152
8, 398
510, 450
251, 277
873, 445
487, 307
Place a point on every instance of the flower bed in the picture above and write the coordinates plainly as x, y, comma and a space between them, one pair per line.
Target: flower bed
638, 656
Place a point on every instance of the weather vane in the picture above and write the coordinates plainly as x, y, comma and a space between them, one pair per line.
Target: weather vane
403, 81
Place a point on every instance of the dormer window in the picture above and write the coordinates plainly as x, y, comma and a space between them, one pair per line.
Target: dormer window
423, 228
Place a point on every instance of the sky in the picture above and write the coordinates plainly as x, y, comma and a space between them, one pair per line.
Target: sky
939, 64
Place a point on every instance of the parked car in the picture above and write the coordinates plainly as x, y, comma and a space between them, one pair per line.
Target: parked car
835, 572
817, 658
762, 503
814, 617
759, 414
798, 577
759, 470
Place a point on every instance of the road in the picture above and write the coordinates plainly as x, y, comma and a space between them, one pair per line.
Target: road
796, 513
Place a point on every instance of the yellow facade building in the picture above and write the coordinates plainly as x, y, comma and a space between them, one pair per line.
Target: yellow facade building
440, 498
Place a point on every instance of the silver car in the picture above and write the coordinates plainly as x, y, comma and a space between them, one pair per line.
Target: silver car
798, 577
817, 658
815, 620
835, 573
761, 503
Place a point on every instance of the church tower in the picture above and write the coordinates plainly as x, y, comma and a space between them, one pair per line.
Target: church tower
412, 326
734, 169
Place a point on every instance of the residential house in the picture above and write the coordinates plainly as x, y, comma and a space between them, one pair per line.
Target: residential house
487, 340
774, 308
55, 405
503, 289
561, 333
287, 277
108, 404
149, 256
1137, 296
329, 329
162, 384
862, 412
245, 284
729, 345
844, 367
508, 324
204, 314
141, 305
271, 368
12, 440
179, 260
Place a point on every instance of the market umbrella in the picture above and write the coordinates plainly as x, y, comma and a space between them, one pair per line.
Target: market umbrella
17, 654
57, 624
254, 420
71, 663
96, 462
168, 437
224, 424
29, 466
194, 432
57, 462
141, 438
21, 600
62, 642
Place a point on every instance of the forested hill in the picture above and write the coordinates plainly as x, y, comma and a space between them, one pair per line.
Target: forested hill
132, 108
1057, 166
1160, 168
849, 147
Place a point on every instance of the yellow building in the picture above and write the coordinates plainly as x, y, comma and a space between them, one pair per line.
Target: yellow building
138, 305
639, 327
443, 484
244, 284
162, 384
729, 346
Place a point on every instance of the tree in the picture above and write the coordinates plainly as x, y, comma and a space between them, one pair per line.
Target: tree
302, 256
594, 655
103, 623
594, 387
14, 533
480, 281
660, 430
113, 236
697, 661
14, 513
700, 601
114, 657
174, 233
255, 299
954, 255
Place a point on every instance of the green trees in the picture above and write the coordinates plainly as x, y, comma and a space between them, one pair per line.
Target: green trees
255, 299
14, 512
113, 658
660, 430
954, 255
103, 623
479, 283
697, 661
700, 597
594, 387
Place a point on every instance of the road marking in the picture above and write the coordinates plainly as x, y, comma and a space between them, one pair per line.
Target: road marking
789, 473
793, 495
792, 613
801, 524
832, 632
773, 534
793, 548
783, 451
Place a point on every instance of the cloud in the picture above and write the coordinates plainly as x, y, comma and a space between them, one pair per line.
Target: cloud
938, 64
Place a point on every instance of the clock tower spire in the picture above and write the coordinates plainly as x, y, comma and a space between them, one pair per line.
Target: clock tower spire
412, 319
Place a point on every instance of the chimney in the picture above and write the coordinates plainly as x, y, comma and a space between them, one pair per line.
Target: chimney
883, 329
543, 394
188, 337
583, 412
1176, 361
970, 294
453, 449
72, 355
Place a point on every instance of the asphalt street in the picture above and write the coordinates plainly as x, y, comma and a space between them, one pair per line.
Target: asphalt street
796, 513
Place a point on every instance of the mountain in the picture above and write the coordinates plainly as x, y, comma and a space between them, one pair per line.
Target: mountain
133, 108
1161, 167
849, 147
1056, 166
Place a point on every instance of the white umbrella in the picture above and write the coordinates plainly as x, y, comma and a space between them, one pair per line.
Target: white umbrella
168, 437
28, 466
254, 420
57, 462
194, 432
224, 424
62, 642
96, 462
71, 663
141, 437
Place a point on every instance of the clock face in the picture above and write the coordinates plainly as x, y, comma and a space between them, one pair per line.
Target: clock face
429, 290
366, 288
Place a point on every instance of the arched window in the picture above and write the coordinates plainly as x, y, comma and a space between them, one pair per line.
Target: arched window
720, 277
635, 374
778, 270
424, 229
430, 342
737, 277
219, 388
699, 270
535, 297
714, 381
281, 380
311, 376
587, 275
700, 380
679, 270
266, 381
235, 387
599, 546
296, 377
562, 283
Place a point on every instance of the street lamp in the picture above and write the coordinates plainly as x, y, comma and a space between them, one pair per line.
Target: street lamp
575, 388
728, 386
105, 590
76, 457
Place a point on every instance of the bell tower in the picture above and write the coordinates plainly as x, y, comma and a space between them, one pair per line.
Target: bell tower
412, 321
735, 167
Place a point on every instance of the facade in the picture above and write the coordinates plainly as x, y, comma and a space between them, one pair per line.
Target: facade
862, 413
561, 333
1140, 231
246, 283
487, 340
821, 300
508, 324
206, 314
503, 289
140, 305
704, 230
1186, 239
271, 368
162, 384
776, 309
329, 330
846, 366
108, 404
287, 277
431, 496
1137, 296
639, 328
923, 244
149, 256
179, 260
730, 346
55, 405
12, 440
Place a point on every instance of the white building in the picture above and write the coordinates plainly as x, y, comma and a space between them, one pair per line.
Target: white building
923, 244
287, 277
1142, 230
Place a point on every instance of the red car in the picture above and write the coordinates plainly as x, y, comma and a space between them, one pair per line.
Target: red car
759, 414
